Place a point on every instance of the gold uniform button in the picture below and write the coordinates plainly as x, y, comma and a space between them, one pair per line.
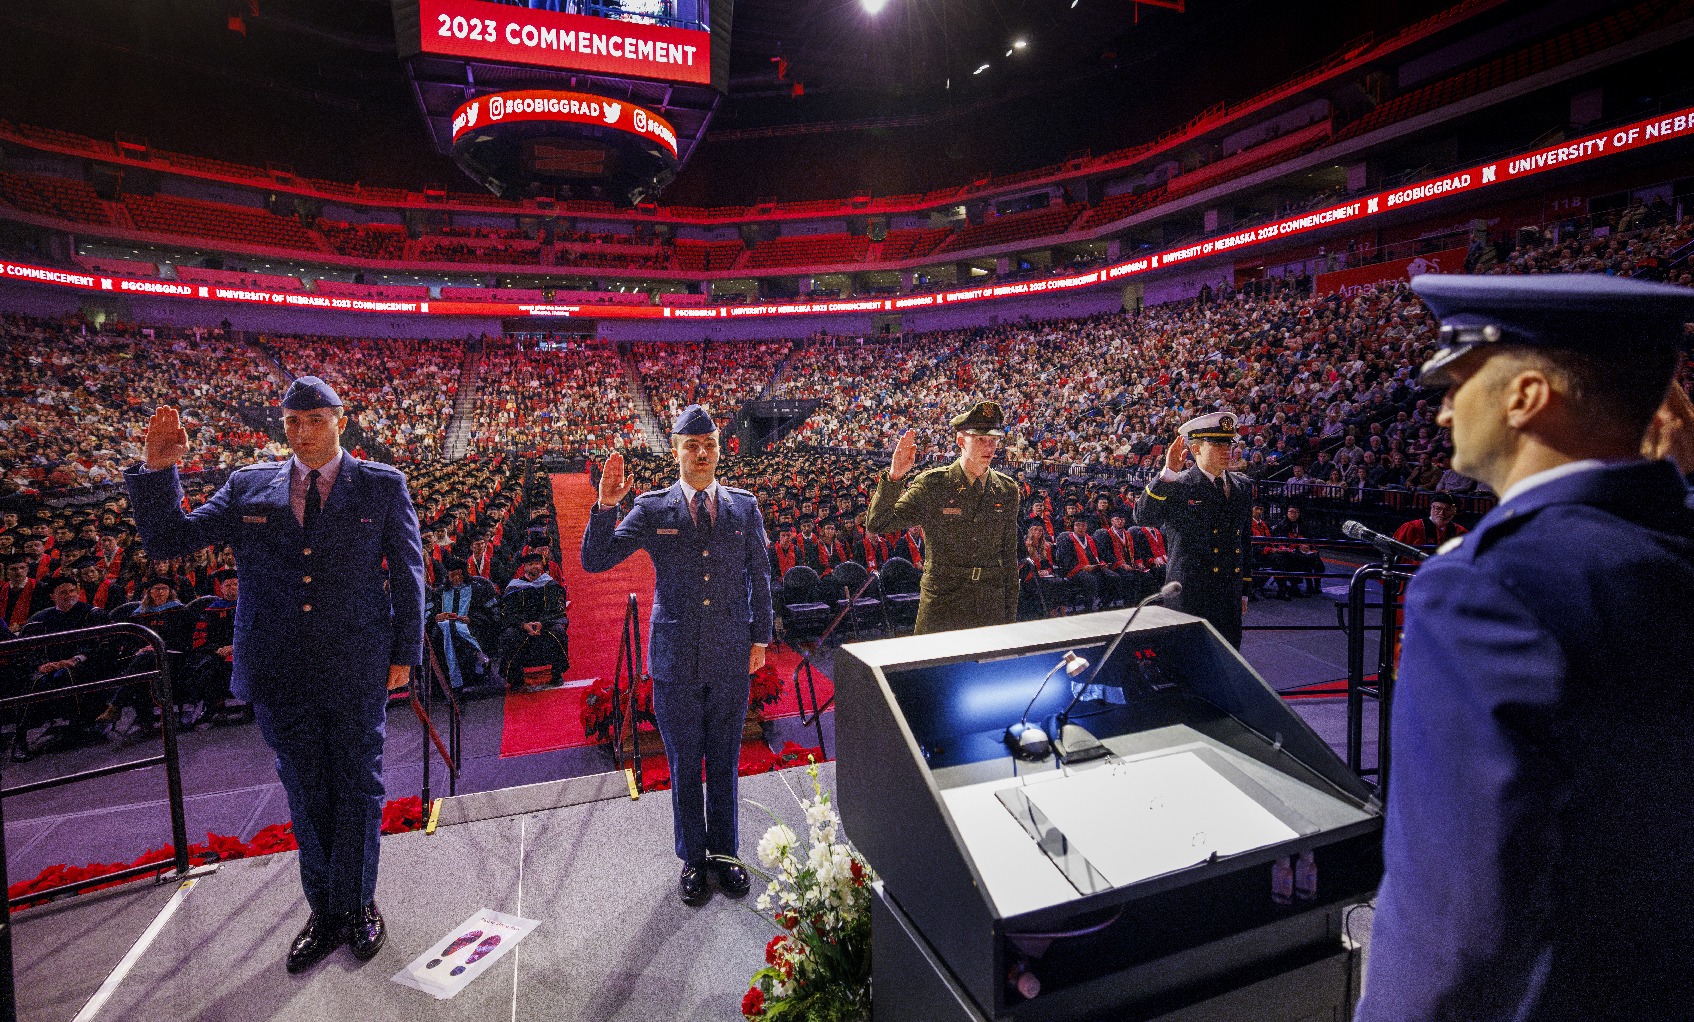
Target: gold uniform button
306, 552
305, 578
705, 603
306, 607
1214, 569
705, 578
705, 553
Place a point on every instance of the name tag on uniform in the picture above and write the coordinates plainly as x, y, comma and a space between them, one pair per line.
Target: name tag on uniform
367, 521
667, 532
952, 510
255, 519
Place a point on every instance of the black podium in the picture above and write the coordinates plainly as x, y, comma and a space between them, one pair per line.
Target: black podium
1199, 871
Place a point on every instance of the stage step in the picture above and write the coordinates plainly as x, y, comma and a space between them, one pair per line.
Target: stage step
533, 798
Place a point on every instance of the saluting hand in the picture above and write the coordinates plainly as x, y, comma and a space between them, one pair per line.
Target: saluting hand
1671, 433
905, 455
614, 484
167, 441
1176, 455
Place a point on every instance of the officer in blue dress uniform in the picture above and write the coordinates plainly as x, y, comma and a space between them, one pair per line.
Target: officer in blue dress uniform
710, 625
1540, 832
1205, 514
323, 629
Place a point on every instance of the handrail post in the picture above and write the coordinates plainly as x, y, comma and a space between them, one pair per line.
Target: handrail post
166, 698
1356, 664
429, 690
637, 671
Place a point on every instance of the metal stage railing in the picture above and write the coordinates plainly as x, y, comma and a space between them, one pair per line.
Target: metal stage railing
451, 748
159, 680
1359, 687
849, 603
630, 665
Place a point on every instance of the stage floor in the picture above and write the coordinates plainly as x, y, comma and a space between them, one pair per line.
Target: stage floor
614, 943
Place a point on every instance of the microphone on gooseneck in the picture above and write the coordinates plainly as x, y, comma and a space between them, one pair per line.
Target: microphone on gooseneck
1072, 742
1027, 739
1390, 546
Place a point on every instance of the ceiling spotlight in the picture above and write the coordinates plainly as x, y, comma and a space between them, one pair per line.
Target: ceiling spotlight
980, 70
1020, 44
873, 6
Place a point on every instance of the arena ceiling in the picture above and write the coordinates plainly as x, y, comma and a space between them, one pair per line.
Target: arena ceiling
316, 84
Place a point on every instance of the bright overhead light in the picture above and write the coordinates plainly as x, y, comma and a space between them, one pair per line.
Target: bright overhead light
1008, 53
1020, 44
873, 6
980, 70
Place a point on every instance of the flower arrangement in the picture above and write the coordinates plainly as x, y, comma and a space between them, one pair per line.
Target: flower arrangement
601, 706
818, 967
766, 687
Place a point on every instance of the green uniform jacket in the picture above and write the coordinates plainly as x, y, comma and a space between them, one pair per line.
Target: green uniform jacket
970, 564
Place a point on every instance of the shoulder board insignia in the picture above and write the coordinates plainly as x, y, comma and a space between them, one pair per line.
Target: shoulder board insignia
1452, 544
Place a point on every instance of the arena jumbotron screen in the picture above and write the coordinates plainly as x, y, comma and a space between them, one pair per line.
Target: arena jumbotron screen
671, 42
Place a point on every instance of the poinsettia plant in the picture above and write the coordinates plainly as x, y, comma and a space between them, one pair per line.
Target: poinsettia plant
766, 687
398, 816
601, 707
818, 966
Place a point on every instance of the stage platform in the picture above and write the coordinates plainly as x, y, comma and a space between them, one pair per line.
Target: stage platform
595, 867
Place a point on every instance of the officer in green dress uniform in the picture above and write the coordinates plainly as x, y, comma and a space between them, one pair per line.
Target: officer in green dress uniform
969, 515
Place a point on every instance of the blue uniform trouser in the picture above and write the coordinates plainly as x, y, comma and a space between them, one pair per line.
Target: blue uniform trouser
330, 762
701, 724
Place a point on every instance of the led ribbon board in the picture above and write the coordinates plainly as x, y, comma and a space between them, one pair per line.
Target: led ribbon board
571, 107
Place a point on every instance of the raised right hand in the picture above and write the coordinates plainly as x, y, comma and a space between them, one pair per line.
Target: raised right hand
905, 455
1176, 455
167, 441
614, 484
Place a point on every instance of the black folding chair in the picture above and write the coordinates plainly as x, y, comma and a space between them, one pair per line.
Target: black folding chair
801, 605
850, 577
900, 581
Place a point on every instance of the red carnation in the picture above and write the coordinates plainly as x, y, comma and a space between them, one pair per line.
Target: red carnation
858, 872
753, 1004
773, 947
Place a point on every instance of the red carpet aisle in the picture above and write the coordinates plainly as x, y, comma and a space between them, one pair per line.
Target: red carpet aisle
785, 660
544, 721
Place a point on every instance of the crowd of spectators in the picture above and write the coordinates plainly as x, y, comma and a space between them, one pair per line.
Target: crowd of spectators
719, 374
1639, 248
560, 401
74, 399
400, 392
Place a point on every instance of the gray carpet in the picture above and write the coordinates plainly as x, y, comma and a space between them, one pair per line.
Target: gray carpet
614, 941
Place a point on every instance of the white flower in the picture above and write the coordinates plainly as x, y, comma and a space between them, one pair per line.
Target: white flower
776, 843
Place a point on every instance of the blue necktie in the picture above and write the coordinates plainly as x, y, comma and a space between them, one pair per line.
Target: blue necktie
314, 502
702, 514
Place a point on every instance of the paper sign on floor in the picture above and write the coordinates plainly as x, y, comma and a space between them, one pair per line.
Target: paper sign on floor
464, 954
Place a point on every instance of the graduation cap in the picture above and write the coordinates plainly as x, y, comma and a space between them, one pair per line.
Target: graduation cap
222, 575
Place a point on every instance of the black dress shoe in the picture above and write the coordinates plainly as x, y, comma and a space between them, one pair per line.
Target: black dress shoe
695, 890
323, 934
366, 933
730, 876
